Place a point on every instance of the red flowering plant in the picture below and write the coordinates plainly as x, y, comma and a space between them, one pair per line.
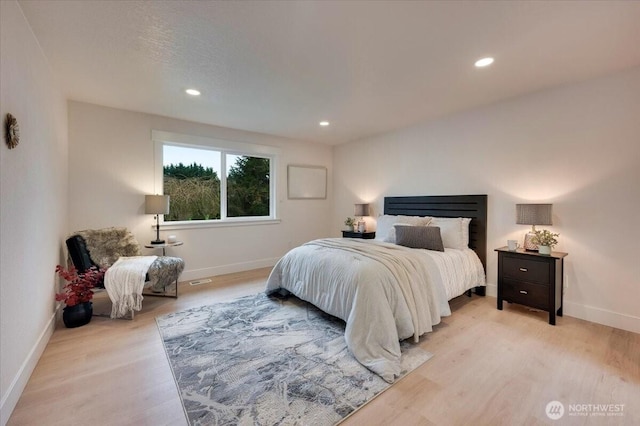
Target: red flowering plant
78, 287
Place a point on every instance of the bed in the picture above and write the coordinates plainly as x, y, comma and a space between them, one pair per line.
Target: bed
388, 292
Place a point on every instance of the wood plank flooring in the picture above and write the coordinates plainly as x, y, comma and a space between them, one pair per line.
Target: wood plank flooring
490, 368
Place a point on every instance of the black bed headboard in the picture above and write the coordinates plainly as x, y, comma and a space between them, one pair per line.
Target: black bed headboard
473, 206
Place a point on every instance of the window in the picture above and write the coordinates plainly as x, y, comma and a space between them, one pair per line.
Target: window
191, 178
214, 181
248, 189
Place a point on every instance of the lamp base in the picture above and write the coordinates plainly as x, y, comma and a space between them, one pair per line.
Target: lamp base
528, 244
157, 242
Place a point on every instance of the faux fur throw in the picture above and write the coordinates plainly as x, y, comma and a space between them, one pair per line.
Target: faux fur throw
106, 245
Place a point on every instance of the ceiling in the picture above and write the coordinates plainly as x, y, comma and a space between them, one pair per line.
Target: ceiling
280, 67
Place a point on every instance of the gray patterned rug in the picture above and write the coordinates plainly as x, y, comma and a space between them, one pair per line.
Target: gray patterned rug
264, 361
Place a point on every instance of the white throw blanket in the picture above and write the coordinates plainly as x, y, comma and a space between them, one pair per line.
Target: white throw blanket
124, 282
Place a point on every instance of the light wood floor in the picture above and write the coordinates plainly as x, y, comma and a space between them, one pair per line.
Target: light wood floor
490, 368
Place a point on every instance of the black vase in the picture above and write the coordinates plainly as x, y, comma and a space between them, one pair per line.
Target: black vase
77, 315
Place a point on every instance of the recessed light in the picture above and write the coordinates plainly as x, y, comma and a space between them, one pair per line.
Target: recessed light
324, 123
193, 92
484, 62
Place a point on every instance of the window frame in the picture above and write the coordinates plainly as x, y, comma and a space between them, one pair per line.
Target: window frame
160, 139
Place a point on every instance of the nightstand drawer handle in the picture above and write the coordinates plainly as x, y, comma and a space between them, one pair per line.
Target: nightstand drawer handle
523, 269
523, 292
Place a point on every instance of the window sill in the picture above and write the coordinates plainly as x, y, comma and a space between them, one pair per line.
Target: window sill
217, 224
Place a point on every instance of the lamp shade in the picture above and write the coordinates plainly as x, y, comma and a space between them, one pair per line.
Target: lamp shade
156, 204
533, 214
361, 210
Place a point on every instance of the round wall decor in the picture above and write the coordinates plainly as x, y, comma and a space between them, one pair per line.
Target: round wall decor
13, 131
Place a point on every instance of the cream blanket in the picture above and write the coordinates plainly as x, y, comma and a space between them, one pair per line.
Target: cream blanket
124, 282
384, 292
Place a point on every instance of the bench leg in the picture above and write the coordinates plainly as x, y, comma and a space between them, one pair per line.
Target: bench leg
174, 296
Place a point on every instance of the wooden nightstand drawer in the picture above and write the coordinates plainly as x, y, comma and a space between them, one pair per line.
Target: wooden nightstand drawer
532, 271
534, 295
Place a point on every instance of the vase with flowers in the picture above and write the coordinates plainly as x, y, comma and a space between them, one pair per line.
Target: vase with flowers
77, 294
351, 223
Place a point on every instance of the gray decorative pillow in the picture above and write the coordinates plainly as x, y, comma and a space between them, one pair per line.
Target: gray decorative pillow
423, 237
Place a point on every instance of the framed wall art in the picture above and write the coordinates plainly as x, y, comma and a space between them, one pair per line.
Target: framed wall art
306, 182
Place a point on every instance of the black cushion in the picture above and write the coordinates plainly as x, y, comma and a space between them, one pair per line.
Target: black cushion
79, 253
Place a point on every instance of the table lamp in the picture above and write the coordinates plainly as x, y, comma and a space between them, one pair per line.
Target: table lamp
157, 205
533, 214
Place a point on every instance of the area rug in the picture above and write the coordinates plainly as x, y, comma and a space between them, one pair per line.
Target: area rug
264, 361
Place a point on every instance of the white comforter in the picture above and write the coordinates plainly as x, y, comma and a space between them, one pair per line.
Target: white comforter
384, 292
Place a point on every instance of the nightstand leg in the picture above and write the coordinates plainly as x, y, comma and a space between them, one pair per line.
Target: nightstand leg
552, 317
499, 304
560, 311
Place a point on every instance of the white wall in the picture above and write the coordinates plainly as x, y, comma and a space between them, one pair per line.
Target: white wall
33, 207
111, 168
577, 147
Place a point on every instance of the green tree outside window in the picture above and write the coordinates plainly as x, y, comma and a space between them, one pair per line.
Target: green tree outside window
248, 187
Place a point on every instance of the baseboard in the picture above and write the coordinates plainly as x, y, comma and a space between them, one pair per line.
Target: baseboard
602, 316
19, 382
195, 274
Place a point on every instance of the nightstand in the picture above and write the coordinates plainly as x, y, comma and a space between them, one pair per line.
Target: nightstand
363, 235
531, 279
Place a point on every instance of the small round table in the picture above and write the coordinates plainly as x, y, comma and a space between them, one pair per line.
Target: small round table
164, 246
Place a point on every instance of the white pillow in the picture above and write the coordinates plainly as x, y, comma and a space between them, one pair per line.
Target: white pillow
387, 233
384, 225
465, 231
454, 231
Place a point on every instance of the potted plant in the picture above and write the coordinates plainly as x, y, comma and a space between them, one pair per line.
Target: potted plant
77, 294
351, 223
545, 240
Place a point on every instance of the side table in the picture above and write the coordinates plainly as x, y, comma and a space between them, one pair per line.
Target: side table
164, 246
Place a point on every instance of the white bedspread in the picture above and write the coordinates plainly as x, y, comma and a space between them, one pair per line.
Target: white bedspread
384, 292
460, 270
124, 282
